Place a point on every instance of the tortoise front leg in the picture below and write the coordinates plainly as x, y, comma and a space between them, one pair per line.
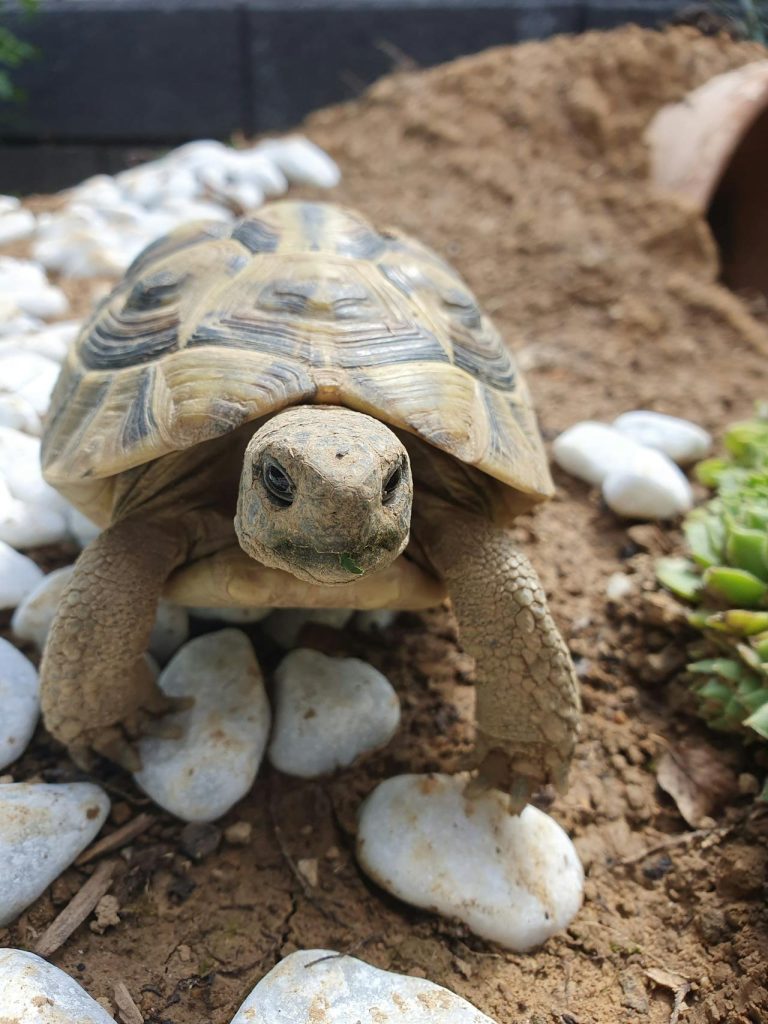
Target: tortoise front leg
527, 694
97, 690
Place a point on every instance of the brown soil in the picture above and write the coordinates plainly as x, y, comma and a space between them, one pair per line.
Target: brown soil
526, 168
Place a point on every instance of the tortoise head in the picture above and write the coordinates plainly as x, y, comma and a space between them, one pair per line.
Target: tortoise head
325, 493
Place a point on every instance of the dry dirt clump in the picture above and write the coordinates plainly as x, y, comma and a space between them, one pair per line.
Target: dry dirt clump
525, 167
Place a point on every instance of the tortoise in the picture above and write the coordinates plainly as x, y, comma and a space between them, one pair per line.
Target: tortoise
300, 410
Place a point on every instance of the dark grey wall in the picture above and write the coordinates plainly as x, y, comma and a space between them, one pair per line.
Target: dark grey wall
117, 75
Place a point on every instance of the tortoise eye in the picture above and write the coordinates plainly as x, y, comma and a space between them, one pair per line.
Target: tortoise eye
393, 482
278, 484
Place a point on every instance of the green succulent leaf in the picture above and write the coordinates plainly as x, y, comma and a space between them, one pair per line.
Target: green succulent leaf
745, 548
727, 567
734, 585
759, 721
680, 576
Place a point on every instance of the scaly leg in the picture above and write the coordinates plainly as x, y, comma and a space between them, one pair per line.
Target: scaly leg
97, 690
527, 694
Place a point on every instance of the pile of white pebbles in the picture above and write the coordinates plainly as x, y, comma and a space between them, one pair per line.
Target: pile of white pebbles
317, 985
522, 881
636, 461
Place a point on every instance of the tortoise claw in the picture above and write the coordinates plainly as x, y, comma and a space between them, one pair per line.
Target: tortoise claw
114, 745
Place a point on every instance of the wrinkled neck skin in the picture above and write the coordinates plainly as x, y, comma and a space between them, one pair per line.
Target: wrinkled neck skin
325, 494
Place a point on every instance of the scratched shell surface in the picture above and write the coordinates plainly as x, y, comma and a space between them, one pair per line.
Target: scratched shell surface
216, 325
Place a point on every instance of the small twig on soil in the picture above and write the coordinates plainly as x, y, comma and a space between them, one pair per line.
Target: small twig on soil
347, 952
685, 837
128, 1011
120, 837
76, 911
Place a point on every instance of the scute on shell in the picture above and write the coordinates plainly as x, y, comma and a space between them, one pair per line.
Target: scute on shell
216, 325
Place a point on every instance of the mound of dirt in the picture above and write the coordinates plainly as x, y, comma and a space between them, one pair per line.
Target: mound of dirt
526, 168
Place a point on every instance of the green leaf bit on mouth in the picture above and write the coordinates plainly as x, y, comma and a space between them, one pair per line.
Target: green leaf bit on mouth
348, 563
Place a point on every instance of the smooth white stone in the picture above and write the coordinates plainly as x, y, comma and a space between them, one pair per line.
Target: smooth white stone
32, 991
9, 203
652, 487
255, 166
18, 414
328, 712
324, 987
285, 624
590, 451
29, 525
27, 283
43, 828
618, 586
20, 701
170, 631
82, 529
375, 621
101, 189
13, 321
245, 195
20, 467
199, 153
513, 879
18, 576
681, 440
302, 162
195, 209
54, 340
16, 226
237, 616
32, 619
30, 376
199, 776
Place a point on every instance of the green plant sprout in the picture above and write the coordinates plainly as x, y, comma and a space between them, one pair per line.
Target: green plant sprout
726, 577
13, 53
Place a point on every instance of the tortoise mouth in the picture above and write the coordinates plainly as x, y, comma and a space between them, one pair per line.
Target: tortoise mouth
327, 568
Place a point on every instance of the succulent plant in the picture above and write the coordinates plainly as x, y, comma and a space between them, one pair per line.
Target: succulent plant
726, 577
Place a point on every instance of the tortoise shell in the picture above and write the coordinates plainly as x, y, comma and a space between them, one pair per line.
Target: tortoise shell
216, 325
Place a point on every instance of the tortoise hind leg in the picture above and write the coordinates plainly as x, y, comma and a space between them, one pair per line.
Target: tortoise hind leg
97, 689
527, 692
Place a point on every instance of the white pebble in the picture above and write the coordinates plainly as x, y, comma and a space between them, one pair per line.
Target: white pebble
43, 828
20, 467
319, 985
681, 440
590, 451
329, 711
16, 225
618, 586
284, 625
301, 161
214, 762
19, 414
650, 487
28, 524
30, 376
513, 879
32, 292
32, 619
375, 621
18, 576
237, 616
170, 631
20, 701
33, 991
82, 529
9, 203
